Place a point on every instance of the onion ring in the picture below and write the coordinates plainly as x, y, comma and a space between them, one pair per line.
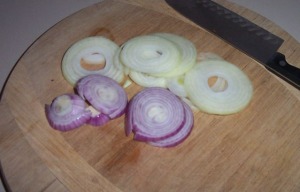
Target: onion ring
154, 114
231, 97
104, 94
91, 55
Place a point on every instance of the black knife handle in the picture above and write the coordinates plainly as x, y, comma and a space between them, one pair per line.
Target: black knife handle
279, 66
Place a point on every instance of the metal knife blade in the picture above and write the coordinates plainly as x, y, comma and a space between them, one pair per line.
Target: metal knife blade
241, 33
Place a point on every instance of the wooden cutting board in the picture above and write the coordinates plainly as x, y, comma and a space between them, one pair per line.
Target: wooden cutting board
255, 150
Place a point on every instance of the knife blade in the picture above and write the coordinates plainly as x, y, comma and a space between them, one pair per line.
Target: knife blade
241, 33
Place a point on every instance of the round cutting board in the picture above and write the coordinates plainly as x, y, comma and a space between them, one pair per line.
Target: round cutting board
254, 150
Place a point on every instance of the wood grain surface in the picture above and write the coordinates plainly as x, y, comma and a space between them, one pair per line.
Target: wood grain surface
255, 150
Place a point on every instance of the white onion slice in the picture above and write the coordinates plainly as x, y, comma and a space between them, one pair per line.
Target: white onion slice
104, 94
146, 80
176, 86
67, 112
231, 97
182, 134
150, 54
154, 114
91, 55
187, 50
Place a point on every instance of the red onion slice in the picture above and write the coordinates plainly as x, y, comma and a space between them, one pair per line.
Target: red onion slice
104, 94
154, 114
182, 134
67, 112
97, 118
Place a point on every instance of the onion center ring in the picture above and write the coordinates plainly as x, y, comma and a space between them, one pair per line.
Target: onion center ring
93, 62
217, 84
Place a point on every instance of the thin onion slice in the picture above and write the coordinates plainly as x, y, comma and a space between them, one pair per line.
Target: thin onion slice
91, 55
188, 53
182, 134
232, 93
104, 94
154, 114
150, 54
67, 112
176, 86
97, 118
147, 80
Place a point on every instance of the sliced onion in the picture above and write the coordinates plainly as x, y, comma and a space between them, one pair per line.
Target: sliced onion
150, 54
154, 114
91, 55
146, 80
188, 53
182, 134
67, 112
232, 93
97, 118
176, 86
104, 94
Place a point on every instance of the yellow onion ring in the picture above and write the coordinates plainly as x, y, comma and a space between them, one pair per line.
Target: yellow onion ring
91, 55
231, 97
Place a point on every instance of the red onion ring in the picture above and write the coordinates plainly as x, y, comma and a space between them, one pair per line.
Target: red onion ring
104, 94
67, 112
155, 114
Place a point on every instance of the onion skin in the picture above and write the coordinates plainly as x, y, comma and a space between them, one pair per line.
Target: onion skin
154, 114
104, 94
67, 112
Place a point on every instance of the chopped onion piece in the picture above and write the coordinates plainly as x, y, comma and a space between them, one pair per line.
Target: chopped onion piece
91, 55
67, 112
154, 114
203, 56
230, 94
104, 94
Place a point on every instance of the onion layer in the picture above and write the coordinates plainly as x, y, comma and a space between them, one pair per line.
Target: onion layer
231, 92
91, 55
67, 112
104, 94
156, 114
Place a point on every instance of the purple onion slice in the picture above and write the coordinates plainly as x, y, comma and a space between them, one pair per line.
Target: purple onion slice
104, 94
67, 112
154, 114
97, 118
182, 134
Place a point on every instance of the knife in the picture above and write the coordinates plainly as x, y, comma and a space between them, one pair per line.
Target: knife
241, 33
